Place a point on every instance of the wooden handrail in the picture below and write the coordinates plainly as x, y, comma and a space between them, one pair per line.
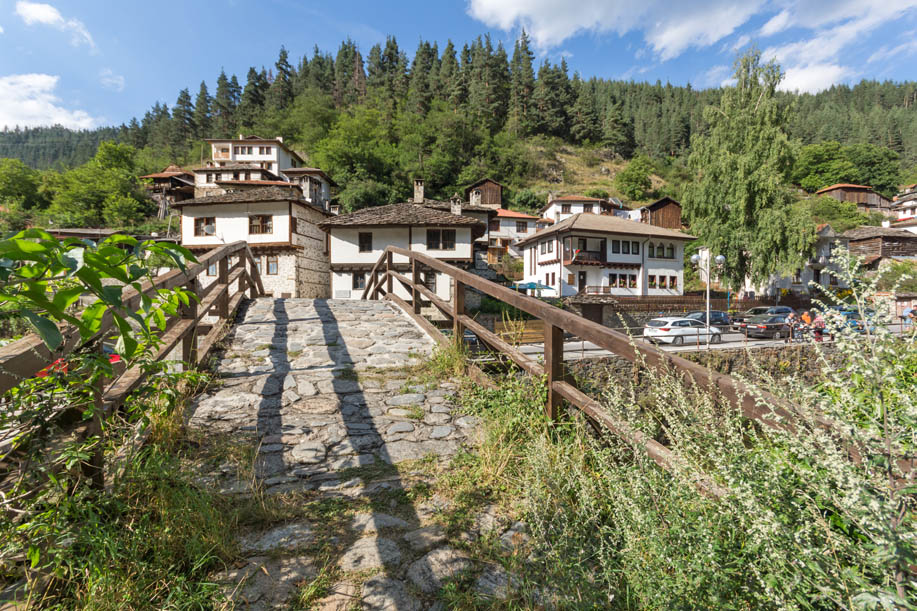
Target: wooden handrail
760, 406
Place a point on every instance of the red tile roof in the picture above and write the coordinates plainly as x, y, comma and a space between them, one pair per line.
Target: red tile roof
504, 213
843, 185
545, 221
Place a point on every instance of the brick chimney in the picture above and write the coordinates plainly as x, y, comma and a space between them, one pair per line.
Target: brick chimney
455, 204
418, 190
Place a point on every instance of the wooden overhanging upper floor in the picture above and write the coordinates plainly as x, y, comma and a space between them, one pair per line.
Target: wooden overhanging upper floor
603, 225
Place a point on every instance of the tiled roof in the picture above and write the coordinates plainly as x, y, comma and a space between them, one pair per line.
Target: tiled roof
264, 183
504, 213
577, 198
545, 221
864, 233
447, 206
843, 185
607, 224
262, 194
318, 171
481, 182
402, 215
169, 172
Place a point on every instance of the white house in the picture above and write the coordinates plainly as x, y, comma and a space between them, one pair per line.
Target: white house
506, 229
605, 255
358, 240
280, 228
817, 269
250, 162
560, 208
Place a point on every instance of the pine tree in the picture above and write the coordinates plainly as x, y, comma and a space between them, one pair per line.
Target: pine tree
280, 92
224, 107
349, 76
321, 71
585, 126
182, 119
252, 103
522, 86
420, 91
448, 70
617, 131
202, 111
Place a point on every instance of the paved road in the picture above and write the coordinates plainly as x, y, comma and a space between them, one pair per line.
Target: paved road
575, 350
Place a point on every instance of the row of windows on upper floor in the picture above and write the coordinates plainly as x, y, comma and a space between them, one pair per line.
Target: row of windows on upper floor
623, 247
437, 239
521, 226
249, 150
257, 224
623, 281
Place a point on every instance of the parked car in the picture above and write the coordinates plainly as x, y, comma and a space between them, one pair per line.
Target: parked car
677, 331
738, 321
718, 318
767, 325
856, 322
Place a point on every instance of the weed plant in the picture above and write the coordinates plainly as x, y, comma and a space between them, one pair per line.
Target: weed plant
802, 526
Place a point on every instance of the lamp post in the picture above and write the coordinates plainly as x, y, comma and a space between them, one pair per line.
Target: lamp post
696, 259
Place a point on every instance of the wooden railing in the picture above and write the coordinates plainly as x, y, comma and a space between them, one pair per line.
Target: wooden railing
760, 406
26, 357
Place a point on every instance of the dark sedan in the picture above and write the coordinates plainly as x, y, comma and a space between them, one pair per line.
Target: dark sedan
738, 321
767, 325
717, 318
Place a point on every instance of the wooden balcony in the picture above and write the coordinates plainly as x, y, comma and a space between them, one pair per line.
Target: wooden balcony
584, 257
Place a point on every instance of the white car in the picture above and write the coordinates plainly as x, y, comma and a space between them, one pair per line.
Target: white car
678, 331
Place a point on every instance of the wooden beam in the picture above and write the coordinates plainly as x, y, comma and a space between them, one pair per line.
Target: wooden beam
554, 367
494, 340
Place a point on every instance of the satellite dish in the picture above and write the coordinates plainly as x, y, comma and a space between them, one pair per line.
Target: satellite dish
210, 229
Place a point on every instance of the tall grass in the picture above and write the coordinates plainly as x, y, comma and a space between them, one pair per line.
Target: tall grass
802, 526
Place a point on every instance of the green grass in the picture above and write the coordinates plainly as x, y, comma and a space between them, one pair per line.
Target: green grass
415, 412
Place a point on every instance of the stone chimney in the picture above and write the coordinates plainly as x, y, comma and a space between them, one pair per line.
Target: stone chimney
418, 190
455, 205
475, 197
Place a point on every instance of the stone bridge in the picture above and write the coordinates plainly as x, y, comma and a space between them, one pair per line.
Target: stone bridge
319, 394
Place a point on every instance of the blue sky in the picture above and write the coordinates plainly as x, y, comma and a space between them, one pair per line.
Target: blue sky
86, 64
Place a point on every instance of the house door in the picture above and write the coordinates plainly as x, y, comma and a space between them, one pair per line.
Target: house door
582, 282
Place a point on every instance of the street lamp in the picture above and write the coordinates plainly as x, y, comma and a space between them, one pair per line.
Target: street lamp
696, 259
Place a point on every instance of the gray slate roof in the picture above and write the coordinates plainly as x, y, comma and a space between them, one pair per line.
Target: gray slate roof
403, 215
607, 224
864, 233
262, 194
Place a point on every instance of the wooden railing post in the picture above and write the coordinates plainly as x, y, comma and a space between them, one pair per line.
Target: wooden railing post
94, 468
189, 341
388, 269
223, 278
458, 309
252, 285
553, 367
415, 292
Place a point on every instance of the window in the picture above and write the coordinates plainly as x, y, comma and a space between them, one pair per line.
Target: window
547, 279
493, 241
570, 279
662, 283
651, 282
248, 150
797, 277
235, 176
212, 269
670, 251
261, 223
544, 247
616, 246
651, 251
235, 150
494, 225
612, 280
632, 281
358, 281
622, 281
635, 248
248, 176
264, 150
587, 208
832, 279
521, 227
201, 222
259, 263
366, 242
209, 177
440, 239
625, 248
673, 282
565, 208
272, 265
429, 281
553, 278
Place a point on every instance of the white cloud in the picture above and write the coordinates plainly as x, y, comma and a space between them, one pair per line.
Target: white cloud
716, 76
885, 54
777, 23
110, 80
1, 29
813, 78
669, 26
29, 100
44, 14
743, 40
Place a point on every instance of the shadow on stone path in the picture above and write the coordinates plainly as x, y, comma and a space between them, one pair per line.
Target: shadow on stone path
318, 389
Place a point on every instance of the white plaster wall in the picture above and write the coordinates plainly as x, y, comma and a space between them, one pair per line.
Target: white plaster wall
508, 228
345, 244
342, 283
462, 248
231, 223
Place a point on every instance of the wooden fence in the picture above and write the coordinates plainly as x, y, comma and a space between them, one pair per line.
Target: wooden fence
760, 406
25, 358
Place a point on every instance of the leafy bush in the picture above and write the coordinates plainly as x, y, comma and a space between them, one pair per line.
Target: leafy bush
634, 180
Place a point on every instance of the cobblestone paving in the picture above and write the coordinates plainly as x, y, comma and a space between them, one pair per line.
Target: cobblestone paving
320, 388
